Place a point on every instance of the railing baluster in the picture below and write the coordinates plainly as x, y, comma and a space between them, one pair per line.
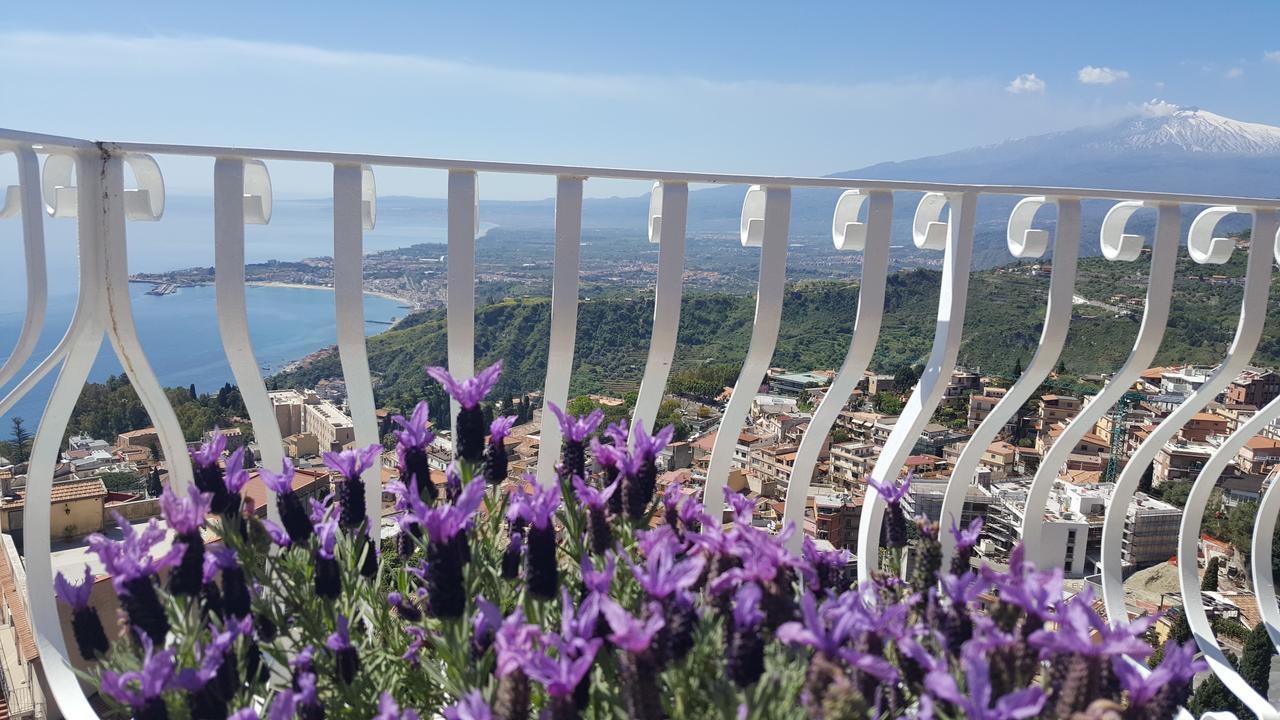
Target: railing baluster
123, 331
1265, 227
82, 342
461, 311
60, 200
1117, 246
564, 320
33, 249
348, 291
952, 298
873, 240
229, 217
1023, 242
667, 216
1253, 311
766, 218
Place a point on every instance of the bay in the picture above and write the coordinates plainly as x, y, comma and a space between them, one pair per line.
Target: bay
179, 334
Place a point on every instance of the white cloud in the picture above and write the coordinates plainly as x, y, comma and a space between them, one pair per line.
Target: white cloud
1026, 83
1233, 73
1090, 75
1271, 56
219, 91
1156, 107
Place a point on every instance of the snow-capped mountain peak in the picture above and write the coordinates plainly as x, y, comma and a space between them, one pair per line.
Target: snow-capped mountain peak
1164, 126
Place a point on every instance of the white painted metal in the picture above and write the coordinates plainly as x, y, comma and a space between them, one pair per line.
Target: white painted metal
1115, 244
652, 175
668, 209
123, 332
1253, 313
82, 342
1264, 228
348, 292
97, 197
28, 203
59, 168
233, 206
872, 237
1024, 242
460, 316
952, 296
766, 217
564, 320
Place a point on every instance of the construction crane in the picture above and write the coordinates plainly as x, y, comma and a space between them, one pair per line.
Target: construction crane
1119, 433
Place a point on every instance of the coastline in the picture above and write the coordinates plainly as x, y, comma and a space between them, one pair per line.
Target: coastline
412, 307
304, 286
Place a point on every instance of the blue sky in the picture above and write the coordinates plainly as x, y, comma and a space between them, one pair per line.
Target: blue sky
785, 88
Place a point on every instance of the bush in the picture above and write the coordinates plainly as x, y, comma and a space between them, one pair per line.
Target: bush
513, 602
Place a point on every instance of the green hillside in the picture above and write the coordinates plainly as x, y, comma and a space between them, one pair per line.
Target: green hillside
1002, 328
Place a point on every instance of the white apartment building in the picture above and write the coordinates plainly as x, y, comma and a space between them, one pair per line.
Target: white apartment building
305, 412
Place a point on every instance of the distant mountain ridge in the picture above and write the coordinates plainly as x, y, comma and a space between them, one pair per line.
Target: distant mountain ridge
1163, 148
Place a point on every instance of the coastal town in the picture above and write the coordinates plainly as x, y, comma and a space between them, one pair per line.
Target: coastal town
99, 478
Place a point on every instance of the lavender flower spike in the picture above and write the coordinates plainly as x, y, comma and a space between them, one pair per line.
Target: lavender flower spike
495, 453
208, 454
237, 476
471, 707
352, 464
91, 638
890, 491
389, 710
411, 450
577, 429
345, 657
500, 428
293, 515
76, 596
968, 537
468, 392
185, 515
130, 558
542, 575
630, 633
415, 432
142, 689
468, 430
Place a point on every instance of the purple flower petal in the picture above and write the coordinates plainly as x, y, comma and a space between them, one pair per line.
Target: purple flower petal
77, 596
468, 392
351, 464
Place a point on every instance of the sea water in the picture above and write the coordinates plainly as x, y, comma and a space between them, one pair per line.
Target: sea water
179, 332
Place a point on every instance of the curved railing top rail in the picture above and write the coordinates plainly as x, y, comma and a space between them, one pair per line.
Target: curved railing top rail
11, 136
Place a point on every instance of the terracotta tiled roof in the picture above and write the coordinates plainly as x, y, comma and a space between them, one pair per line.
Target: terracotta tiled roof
17, 608
62, 492
255, 490
1262, 443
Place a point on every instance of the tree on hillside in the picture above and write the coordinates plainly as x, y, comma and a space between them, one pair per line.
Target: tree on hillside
192, 390
1213, 696
21, 441
1062, 367
1017, 368
905, 378
1210, 580
154, 486
1144, 483
1255, 660
1240, 522
887, 403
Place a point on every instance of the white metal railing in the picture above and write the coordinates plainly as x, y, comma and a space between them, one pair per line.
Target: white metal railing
86, 181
